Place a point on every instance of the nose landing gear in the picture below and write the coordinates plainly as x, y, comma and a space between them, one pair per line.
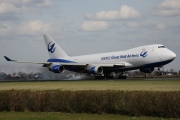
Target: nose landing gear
159, 72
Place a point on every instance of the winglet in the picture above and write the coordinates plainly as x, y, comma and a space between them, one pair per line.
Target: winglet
8, 59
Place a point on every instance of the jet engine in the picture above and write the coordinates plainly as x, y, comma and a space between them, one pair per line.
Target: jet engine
57, 68
147, 70
96, 70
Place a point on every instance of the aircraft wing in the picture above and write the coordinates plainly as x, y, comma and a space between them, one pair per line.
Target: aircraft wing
8, 59
47, 64
70, 64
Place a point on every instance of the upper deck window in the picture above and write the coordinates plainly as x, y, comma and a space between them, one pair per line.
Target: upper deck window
161, 46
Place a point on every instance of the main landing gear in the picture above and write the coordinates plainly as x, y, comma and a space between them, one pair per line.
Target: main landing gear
122, 76
103, 77
119, 75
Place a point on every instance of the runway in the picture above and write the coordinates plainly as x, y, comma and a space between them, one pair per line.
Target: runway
153, 84
128, 78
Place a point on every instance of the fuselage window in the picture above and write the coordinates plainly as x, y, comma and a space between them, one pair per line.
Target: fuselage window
161, 47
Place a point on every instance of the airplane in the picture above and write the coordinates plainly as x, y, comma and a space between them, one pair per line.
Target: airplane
102, 65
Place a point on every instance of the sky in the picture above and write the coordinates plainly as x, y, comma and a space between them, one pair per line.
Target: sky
85, 27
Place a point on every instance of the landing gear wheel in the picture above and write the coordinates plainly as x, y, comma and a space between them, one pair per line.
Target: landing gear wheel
121, 76
108, 77
159, 73
99, 77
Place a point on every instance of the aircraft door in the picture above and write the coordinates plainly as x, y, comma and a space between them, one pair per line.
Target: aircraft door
154, 52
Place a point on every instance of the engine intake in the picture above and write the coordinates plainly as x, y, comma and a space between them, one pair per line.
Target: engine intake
96, 70
147, 70
57, 68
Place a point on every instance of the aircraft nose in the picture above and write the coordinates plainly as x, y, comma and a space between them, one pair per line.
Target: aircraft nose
173, 55
168, 55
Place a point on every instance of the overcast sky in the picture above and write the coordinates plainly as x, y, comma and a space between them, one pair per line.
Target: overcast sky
86, 27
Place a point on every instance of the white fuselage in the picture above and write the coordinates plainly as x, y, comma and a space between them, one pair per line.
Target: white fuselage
156, 55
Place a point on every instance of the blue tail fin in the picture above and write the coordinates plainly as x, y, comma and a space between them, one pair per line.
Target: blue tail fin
55, 51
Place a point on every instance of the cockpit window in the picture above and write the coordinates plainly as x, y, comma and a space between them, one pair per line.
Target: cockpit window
161, 46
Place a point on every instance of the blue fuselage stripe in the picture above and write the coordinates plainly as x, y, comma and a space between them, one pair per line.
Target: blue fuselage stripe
150, 65
157, 64
60, 60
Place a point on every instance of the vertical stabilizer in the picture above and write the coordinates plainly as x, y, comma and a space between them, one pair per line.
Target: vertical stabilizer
55, 51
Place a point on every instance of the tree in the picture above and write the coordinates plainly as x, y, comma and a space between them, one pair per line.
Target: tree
172, 70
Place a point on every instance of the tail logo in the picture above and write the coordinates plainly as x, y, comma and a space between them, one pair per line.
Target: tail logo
143, 54
51, 47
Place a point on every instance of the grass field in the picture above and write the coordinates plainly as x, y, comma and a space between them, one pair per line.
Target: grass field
130, 85
67, 116
152, 85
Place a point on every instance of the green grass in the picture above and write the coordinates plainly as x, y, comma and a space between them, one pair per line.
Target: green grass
152, 85
130, 85
67, 116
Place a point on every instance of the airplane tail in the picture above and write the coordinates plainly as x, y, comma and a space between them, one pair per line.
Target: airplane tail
55, 51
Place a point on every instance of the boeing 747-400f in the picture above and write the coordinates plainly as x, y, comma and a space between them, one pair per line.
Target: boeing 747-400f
101, 65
